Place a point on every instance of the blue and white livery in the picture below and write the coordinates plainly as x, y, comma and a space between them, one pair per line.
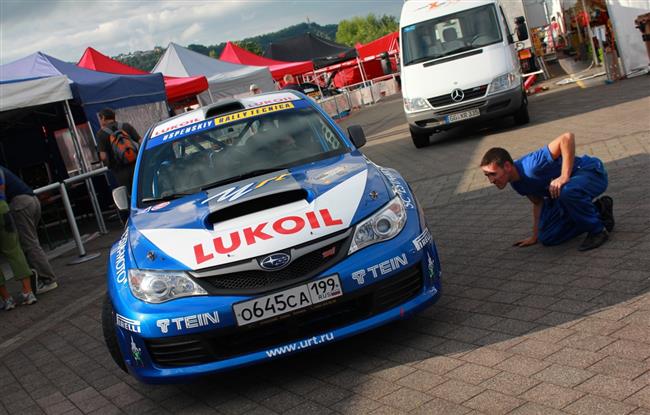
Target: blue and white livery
256, 230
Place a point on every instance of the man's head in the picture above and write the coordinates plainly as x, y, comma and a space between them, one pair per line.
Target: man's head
498, 167
106, 116
254, 89
288, 79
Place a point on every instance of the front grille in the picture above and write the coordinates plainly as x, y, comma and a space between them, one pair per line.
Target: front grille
234, 341
471, 93
301, 268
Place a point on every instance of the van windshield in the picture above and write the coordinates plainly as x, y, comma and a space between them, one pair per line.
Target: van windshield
450, 34
233, 147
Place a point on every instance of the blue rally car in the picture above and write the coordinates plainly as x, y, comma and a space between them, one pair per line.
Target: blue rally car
257, 229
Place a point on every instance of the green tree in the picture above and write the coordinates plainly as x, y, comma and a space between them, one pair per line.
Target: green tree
250, 46
365, 29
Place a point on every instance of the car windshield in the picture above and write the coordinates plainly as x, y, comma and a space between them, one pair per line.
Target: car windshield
450, 34
235, 146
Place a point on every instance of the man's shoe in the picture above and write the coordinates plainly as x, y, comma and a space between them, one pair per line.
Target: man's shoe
10, 304
29, 299
45, 286
605, 206
594, 240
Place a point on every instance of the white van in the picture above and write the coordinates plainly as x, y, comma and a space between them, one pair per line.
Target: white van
458, 64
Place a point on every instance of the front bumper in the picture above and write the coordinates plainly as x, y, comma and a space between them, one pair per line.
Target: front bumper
490, 107
366, 303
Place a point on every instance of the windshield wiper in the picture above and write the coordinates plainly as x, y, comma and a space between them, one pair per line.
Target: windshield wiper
462, 49
422, 59
166, 198
242, 177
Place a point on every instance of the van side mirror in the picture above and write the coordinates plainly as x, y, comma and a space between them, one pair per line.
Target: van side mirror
121, 198
357, 136
511, 40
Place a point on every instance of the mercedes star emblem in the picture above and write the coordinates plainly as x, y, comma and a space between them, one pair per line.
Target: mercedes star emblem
457, 95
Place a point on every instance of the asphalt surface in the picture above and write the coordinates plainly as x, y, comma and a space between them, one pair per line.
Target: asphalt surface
517, 331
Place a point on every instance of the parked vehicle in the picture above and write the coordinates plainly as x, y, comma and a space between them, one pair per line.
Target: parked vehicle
258, 229
458, 64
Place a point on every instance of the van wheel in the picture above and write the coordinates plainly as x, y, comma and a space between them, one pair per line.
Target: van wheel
110, 337
521, 116
419, 139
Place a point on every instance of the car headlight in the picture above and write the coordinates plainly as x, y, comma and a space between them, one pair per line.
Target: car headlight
416, 104
504, 82
161, 286
381, 226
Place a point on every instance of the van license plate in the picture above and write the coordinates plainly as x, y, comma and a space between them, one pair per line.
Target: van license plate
288, 300
460, 116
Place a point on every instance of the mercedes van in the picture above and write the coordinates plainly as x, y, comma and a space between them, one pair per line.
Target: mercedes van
459, 64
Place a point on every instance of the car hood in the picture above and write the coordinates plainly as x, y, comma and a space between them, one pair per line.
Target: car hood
259, 215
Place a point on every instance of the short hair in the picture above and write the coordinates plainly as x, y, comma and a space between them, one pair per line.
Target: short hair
496, 155
107, 114
288, 78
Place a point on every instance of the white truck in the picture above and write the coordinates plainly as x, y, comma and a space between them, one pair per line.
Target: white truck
458, 64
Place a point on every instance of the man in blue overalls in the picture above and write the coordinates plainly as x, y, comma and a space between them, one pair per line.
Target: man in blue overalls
562, 188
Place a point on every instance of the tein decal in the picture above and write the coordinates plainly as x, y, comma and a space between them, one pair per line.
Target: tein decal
383, 268
188, 322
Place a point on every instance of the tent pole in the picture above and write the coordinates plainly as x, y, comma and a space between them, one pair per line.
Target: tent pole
211, 97
363, 75
84, 169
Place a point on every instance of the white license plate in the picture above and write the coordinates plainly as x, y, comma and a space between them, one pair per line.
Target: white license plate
460, 116
288, 300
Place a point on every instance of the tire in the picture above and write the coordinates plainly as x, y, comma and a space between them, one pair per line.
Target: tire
521, 116
419, 139
110, 337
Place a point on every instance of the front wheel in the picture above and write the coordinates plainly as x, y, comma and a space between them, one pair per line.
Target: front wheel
110, 337
419, 139
521, 116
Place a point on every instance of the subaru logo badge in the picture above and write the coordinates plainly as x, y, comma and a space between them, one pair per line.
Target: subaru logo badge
275, 261
457, 95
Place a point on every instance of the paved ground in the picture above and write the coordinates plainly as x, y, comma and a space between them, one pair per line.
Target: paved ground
518, 331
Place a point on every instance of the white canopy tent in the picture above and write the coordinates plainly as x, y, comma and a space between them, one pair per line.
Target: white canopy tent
224, 78
628, 38
23, 93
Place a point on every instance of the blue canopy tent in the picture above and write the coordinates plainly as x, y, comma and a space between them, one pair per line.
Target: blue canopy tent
93, 90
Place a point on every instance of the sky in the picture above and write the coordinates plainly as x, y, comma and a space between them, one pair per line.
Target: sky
64, 28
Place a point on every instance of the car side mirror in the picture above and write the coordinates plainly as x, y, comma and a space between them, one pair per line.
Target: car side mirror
357, 136
511, 39
121, 198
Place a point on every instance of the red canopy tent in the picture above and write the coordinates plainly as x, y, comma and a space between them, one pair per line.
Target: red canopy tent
371, 50
234, 54
177, 88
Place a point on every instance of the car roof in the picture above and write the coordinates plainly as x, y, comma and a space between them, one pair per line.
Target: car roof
225, 106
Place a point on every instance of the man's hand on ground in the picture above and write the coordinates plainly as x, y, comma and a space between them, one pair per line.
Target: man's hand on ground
556, 185
526, 242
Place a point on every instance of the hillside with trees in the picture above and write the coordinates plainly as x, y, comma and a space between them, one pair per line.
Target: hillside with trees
357, 29
146, 60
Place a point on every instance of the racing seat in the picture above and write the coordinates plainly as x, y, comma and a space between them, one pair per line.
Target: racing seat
451, 39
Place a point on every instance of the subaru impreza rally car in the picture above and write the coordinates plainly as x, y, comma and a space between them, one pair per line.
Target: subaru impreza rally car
256, 230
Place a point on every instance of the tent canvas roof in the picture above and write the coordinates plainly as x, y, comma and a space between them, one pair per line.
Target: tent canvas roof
175, 87
234, 54
93, 90
388, 43
321, 52
22, 93
226, 79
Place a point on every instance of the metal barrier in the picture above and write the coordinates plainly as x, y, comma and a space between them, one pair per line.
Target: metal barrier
87, 177
372, 91
82, 256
